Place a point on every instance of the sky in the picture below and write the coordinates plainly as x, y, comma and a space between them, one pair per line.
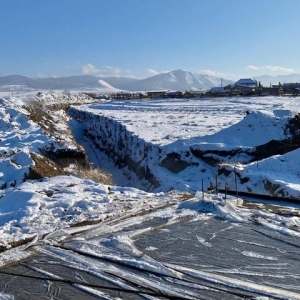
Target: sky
138, 39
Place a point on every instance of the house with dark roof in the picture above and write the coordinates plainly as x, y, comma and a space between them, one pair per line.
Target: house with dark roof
248, 82
245, 86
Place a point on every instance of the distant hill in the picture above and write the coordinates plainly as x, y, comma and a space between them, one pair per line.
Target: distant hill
266, 80
178, 80
14, 80
175, 80
61, 83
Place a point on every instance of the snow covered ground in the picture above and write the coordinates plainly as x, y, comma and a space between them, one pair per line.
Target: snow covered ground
166, 121
209, 124
200, 134
43, 212
36, 207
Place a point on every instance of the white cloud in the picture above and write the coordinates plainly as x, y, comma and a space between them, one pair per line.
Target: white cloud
152, 72
112, 71
251, 67
271, 68
219, 74
89, 69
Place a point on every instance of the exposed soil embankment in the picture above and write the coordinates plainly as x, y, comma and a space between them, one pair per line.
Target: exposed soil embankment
65, 157
60, 155
174, 163
216, 157
43, 167
275, 147
272, 172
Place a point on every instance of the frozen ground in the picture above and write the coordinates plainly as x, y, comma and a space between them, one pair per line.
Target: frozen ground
169, 120
222, 130
155, 242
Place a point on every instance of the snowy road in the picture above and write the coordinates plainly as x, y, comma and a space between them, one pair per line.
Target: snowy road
164, 254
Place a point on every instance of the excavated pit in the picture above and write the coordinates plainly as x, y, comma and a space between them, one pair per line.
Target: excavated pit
127, 150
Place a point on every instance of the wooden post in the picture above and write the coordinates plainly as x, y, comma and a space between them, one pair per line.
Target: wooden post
202, 190
235, 179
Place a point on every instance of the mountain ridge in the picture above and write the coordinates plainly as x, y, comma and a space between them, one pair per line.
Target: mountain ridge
174, 80
266, 80
178, 80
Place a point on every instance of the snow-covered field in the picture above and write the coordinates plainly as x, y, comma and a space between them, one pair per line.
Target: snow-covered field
201, 133
166, 121
42, 211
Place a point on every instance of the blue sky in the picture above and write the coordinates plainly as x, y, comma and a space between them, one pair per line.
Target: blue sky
141, 38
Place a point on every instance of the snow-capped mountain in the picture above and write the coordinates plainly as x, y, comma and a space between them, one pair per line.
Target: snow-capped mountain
178, 80
266, 80
18, 82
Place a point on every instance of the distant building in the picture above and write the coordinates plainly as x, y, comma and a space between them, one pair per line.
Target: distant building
217, 89
288, 88
198, 93
177, 94
247, 82
243, 90
157, 94
244, 86
291, 85
291, 88
265, 91
227, 88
